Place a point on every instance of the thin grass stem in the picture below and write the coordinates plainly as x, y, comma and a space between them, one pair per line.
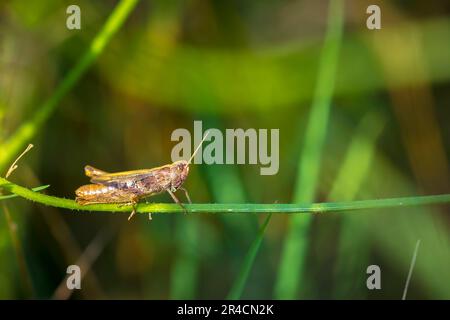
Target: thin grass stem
286, 208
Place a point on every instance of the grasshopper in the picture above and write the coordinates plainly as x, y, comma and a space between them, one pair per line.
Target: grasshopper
129, 187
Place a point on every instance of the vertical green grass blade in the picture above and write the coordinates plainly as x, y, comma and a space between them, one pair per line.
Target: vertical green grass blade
358, 158
296, 243
226, 186
184, 275
16, 243
239, 284
352, 244
28, 129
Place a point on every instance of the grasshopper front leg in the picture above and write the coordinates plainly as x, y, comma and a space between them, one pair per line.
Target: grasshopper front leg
177, 200
187, 194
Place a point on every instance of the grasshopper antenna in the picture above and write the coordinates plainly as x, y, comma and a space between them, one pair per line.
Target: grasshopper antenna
198, 147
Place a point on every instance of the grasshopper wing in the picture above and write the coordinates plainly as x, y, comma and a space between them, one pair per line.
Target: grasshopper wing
93, 172
118, 177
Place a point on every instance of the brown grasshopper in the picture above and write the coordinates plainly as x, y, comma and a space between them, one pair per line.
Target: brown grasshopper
129, 187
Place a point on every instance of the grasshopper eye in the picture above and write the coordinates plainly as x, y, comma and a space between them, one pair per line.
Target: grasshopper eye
183, 165
183, 168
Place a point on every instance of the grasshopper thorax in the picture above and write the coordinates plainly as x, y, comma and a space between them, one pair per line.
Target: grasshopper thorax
179, 171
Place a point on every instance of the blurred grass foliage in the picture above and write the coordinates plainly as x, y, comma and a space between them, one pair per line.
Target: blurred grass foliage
295, 249
110, 95
264, 79
353, 241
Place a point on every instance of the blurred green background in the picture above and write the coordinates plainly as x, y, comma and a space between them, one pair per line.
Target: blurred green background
231, 64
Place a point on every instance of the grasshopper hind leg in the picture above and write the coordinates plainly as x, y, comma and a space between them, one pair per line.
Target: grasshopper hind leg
97, 193
134, 203
132, 212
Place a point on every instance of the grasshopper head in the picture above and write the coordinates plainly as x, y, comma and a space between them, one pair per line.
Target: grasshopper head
180, 169
178, 173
